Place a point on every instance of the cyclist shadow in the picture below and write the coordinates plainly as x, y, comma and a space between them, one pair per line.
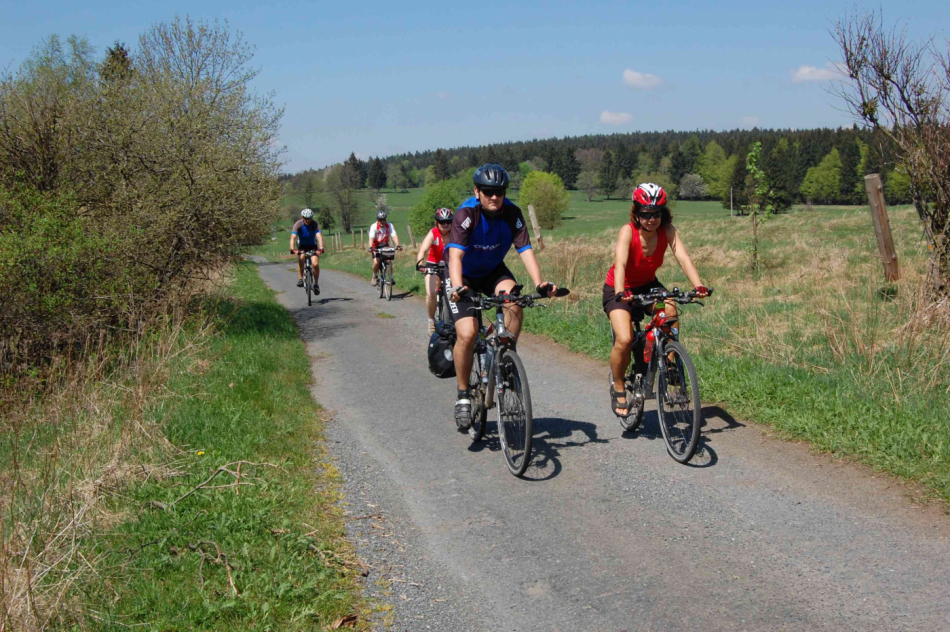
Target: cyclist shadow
715, 420
545, 444
551, 435
399, 297
321, 320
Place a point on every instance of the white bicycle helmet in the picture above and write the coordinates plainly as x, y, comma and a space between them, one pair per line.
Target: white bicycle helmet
306, 213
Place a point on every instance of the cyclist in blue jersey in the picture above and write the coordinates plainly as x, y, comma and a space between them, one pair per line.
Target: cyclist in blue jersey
484, 228
306, 232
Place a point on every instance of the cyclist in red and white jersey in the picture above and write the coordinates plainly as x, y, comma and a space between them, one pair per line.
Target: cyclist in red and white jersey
431, 250
641, 245
380, 235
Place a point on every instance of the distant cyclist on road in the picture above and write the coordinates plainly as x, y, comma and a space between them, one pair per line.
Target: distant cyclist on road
306, 233
431, 250
484, 229
380, 235
641, 245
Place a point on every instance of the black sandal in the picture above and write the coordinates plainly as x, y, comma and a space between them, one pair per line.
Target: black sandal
463, 411
616, 404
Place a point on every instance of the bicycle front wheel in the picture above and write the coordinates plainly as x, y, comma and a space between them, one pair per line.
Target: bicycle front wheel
308, 284
389, 282
677, 403
382, 279
515, 421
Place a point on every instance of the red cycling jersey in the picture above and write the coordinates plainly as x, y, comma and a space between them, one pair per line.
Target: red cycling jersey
640, 268
437, 247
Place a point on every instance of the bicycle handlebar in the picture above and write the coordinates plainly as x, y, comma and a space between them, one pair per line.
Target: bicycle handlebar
516, 298
676, 295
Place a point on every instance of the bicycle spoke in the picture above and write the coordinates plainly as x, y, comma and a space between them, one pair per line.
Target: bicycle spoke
678, 405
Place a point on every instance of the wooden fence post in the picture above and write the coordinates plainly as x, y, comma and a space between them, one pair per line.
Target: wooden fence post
361, 238
537, 228
882, 226
412, 237
354, 239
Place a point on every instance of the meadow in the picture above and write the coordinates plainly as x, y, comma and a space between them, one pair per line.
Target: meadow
813, 343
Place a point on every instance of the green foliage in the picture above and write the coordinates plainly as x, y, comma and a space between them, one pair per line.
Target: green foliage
546, 192
440, 168
325, 219
609, 173
711, 169
822, 184
376, 174
448, 194
897, 187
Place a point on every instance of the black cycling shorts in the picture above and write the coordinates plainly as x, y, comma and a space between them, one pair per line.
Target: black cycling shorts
481, 285
637, 312
307, 248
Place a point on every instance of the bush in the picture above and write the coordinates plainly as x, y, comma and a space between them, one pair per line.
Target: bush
546, 192
447, 193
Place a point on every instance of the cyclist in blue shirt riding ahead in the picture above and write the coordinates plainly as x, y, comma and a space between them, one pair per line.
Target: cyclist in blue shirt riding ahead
306, 233
483, 230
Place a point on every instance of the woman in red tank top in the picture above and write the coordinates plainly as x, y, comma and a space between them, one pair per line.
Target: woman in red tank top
641, 246
431, 250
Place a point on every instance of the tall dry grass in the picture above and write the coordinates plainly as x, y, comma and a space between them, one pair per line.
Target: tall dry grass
66, 451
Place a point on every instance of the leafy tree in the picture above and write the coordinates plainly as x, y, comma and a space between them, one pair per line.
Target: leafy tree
342, 183
710, 169
779, 176
822, 184
117, 65
566, 167
446, 193
692, 187
850, 151
738, 187
308, 194
440, 167
645, 162
396, 177
588, 182
625, 159
546, 192
491, 156
897, 187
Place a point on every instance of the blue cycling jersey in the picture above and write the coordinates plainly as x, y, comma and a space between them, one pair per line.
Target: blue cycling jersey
306, 235
485, 241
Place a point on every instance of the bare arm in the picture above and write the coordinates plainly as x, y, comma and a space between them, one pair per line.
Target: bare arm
621, 252
293, 238
320, 240
455, 266
679, 249
424, 248
531, 265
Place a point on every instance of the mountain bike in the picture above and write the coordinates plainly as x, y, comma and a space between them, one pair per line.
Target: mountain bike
498, 377
438, 269
308, 281
677, 389
385, 256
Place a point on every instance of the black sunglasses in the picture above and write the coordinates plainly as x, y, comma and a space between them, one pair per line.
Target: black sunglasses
649, 214
493, 192
444, 221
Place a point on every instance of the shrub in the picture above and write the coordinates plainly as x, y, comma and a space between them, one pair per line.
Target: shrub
443, 194
546, 192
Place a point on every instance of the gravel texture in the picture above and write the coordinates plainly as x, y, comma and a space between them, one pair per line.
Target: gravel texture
605, 532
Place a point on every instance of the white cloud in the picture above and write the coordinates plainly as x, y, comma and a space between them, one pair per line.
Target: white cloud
640, 80
615, 118
750, 121
442, 95
810, 73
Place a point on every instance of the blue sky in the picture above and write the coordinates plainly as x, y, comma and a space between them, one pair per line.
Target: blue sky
382, 78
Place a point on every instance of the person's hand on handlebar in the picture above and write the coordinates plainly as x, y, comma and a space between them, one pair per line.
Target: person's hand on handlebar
702, 291
625, 297
456, 293
292, 251
546, 288
420, 266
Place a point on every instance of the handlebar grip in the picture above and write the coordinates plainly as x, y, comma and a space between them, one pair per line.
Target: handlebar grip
562, 291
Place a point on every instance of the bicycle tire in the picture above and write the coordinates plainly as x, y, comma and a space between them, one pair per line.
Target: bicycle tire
680, 413
389, 283
382, 278
631, 422
308, 284
515, 419
479, 413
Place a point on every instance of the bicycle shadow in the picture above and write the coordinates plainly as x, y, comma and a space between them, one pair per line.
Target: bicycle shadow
322, 319
551, 435
705, 456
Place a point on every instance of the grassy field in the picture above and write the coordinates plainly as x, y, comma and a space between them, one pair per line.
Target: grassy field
813, 343
183, 486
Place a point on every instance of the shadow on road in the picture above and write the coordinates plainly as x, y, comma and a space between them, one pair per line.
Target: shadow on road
551, 435
321, 320
715, 420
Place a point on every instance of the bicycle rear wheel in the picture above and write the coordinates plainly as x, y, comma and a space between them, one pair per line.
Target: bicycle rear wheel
677, 403
308, 284
479, 413
515, 421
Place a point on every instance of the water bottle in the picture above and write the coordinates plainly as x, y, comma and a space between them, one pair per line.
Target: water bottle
648, 346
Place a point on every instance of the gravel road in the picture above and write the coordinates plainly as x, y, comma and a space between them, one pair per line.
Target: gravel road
605, 532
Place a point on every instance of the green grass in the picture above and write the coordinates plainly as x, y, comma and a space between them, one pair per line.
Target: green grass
252, 403
812, 343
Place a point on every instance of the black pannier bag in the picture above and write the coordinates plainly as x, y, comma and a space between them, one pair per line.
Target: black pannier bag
441, 361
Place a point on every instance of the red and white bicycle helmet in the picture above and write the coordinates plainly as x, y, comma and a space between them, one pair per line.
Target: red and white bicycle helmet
649, 194
443, 215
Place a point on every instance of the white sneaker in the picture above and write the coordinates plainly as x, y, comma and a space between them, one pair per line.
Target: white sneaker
375, 281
